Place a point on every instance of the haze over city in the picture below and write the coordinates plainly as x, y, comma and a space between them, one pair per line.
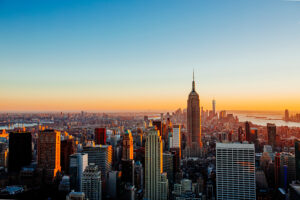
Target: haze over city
139, 55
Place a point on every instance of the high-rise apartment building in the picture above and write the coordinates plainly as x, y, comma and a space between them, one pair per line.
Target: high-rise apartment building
91, 182
155, 181
20, 150
100, 136
100, 155
127, 153
49, 154
235, 171
78, 163
271, 134
193, 123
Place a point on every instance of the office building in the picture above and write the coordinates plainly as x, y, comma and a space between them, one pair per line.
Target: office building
20, 150
214, 106
155, 181
176, 137
271, 128
235, 171
76, 196
286, 115
297, 159
247, 130
157, 124
113, 183
193, 123
168, 166
287, 169
67, 149
49, 154
100, 155
127, 153
100, 136
91, 182
128, 171
78, 163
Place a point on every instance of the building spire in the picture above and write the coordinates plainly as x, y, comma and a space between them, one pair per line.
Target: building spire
193, 89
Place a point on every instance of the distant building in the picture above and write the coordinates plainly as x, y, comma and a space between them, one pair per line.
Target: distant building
286, 115
78, 163
49, 154
20, 150
91, 182
100, 136
235, 171
247, 130
214, 106
271, 134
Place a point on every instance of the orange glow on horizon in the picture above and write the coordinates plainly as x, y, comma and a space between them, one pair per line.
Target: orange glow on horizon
143, 104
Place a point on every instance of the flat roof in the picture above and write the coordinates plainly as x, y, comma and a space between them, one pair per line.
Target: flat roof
235, 145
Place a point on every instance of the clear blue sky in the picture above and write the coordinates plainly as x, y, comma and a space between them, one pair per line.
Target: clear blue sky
126, 53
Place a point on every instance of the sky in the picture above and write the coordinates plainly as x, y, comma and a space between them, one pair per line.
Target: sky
139, 55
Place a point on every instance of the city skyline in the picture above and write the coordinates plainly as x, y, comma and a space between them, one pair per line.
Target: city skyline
137, 56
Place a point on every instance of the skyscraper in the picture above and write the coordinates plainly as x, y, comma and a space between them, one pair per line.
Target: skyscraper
247, 130
127, 159
154, 166
100, 155
297, 159
271, 134
176, 138
91, 182
214, 106
78, 163
20, 150
67, 149
49, 153
127, 153
286, 115
193, 122
100, 136
235, 171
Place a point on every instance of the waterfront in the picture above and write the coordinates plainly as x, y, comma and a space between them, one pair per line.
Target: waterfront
264, 118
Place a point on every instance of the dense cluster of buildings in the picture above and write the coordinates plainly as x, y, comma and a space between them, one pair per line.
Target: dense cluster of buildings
190, 154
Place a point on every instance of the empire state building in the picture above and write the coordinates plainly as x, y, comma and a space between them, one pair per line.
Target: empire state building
194, 143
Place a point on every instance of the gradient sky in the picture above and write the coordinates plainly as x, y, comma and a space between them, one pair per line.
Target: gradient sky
139, 55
